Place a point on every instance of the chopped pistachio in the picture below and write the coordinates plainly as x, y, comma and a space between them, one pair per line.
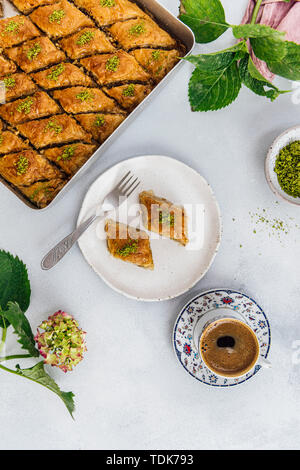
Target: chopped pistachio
85, 95
67, 153
34, 51
9, 82
130, 247
54, 126
22, 165
112, 63
129, 90
137, 29
100, 120
56, 16
85, 37
107, 3
56, 72
25, 105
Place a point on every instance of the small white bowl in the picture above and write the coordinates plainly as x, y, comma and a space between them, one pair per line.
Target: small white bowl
286, 138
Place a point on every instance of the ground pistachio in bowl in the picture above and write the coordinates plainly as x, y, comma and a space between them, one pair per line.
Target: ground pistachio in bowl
287, 169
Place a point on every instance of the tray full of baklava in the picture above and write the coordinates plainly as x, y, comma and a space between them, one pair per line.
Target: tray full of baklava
71, 73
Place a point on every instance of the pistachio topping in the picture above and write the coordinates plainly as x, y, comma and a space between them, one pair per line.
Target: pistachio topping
56, 72
137, 29
53, 126
112, 63
34, 51
85, 95
130, 247
156, 55
56, 16
25, 105
85, 38
107, 3
9, 82
129, 90
67, 153
12, 27
166, 218
22, 165
99, 121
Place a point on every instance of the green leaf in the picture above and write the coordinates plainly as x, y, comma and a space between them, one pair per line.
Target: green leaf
256, 31
14, 283
253, 79
269, 48
218, 60
21, 327
289, 65
38, 374
206, 18
212, 90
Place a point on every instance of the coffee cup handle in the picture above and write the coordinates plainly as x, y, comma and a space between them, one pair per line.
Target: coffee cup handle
263, 362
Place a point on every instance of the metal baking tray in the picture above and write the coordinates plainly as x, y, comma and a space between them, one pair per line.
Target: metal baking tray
172, 25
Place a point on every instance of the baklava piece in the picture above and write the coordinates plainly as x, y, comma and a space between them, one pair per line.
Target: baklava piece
129, 96
42, 193
10, 142
61, 75
15, 30
32, 107
157, 62
58, 129
35, 54
86, 42
70, 157
26, 6
100, 126
81, 100
142, 32
18, 84
111, 68
163, 217
107, 12
6, 66
60, 19
26, 168
129, 244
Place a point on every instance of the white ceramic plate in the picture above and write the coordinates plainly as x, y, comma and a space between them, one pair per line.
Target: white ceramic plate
286, 138
176, 268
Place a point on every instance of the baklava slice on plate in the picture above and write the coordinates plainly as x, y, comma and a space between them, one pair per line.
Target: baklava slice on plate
6, 66
35, 54
141, 32
60, 76
58, 129
163, 217
129, 96
10, 142
86, 42
129, 244
70, 157
100, 126
112, 68
26, 6
157, 62
34, 106
107, 12
15, 30
80, 100
27, 167
18, 84
43, 192
60, 19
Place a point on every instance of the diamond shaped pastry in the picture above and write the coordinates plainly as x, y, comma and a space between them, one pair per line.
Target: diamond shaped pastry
6, 66
157, 62
100, 126
26, 6
129, 96
70, 157
81, 100
43, 192
18, 84
86, 42
61, 75
107, 12
10, 142
17, 29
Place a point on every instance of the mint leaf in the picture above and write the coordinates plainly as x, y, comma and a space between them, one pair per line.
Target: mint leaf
38, 374
206, 18
22, 328
218, 60
256, 31
14, 283
253, 79
269, 48
289, 65
212, 90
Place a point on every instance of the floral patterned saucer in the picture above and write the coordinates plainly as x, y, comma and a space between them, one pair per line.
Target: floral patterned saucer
209, 301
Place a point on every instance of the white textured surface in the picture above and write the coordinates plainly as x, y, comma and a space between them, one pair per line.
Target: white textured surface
130, 390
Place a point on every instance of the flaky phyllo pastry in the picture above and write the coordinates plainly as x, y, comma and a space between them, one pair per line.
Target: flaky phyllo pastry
164, 217
70, 73
128, 244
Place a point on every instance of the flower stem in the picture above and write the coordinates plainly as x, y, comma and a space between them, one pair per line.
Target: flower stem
3, 336
255, 11
15, 356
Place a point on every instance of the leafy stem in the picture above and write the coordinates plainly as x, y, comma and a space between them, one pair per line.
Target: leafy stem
14, 356
255, 11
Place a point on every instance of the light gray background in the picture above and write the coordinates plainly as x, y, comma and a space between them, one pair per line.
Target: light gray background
131, 392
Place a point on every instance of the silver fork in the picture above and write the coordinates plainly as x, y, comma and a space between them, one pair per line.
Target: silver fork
124, 188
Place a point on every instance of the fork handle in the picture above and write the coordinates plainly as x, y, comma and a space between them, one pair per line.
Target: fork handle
62, 248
